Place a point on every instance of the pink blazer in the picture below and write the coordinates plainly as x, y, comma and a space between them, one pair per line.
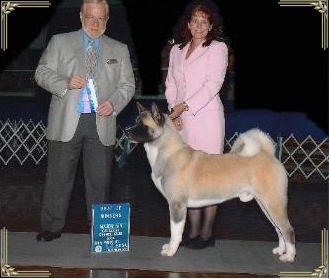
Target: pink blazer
197, 81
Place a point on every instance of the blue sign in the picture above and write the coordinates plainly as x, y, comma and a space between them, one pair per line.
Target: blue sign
111, 227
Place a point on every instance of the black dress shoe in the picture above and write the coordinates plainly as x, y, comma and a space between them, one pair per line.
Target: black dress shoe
187, 241
48, 236
200, 243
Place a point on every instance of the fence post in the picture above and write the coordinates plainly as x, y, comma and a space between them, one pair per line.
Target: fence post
278, 148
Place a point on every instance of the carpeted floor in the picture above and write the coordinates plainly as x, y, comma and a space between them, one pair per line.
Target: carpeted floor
74, 251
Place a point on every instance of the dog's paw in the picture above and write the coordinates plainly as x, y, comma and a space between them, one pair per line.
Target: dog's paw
286, 258
166, 251
165, 246
278, 251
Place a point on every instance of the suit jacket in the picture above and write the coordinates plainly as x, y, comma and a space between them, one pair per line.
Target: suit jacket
197, 81
63, 58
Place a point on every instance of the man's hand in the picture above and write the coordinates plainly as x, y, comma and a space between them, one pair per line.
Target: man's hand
76, 82
106, 108
178, 123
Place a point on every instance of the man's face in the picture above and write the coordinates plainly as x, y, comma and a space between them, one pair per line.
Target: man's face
93, 18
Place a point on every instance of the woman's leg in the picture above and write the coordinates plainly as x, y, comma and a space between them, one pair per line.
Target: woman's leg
209, 214
195, 221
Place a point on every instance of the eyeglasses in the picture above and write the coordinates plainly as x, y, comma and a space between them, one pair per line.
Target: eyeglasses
92, 19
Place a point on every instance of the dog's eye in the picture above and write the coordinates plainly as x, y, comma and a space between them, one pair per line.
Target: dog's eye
151, 131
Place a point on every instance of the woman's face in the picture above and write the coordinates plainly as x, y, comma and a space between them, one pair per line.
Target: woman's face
199, 26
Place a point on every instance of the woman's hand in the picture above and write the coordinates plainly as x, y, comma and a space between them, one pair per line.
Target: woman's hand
178, 110
178, 123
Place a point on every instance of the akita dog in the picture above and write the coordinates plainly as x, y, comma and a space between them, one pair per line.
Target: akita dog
191, 178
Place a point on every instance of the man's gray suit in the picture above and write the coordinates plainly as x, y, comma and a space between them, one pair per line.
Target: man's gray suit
63, 58
69, 132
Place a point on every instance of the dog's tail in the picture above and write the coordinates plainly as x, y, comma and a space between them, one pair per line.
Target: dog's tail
252, 142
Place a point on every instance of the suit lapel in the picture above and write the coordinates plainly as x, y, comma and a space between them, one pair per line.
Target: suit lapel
199, 51
183, 55
78, 50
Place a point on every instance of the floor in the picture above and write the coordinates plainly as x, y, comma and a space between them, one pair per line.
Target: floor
22, 188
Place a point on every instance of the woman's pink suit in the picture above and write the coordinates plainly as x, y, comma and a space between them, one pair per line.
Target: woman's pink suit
197, 81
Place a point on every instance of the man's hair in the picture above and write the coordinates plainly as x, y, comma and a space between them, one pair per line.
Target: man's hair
95, 1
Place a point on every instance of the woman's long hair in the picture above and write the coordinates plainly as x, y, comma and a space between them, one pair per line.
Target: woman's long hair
209, 9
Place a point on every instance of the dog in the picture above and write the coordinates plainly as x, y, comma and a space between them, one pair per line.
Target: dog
191, 178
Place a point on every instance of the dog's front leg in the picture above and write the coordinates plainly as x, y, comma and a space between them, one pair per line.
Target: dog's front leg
177, 222
157, 182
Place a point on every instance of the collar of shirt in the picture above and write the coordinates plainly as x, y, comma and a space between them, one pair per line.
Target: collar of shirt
87, 39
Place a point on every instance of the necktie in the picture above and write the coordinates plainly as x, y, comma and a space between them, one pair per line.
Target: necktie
91, 61
87, 101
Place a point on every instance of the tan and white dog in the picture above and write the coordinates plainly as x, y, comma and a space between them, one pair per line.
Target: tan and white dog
190, 178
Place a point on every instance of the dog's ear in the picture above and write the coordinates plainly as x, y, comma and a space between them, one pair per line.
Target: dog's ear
155, 111
140, 107
157, 114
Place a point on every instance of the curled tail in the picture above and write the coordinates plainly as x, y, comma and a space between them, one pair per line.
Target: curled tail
252, 142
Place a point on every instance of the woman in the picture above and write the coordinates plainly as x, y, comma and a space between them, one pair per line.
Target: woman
196, 72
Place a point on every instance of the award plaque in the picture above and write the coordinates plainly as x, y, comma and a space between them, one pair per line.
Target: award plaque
110, 227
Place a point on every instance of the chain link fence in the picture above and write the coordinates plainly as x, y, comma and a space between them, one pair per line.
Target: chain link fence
25, 143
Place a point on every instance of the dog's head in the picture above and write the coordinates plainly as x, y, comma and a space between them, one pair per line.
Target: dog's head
149, 125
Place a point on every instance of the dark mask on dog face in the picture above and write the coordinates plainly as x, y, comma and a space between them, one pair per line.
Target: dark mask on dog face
149, 125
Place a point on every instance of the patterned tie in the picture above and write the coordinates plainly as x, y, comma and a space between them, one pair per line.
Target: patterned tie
91, 61
87, 103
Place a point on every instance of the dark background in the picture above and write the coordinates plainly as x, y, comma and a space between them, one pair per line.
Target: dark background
280, 64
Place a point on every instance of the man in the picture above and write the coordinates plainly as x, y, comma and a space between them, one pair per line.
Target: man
91, 80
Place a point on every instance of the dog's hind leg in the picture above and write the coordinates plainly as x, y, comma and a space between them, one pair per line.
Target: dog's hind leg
280, 250
275, 209
289, 239
177, 222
